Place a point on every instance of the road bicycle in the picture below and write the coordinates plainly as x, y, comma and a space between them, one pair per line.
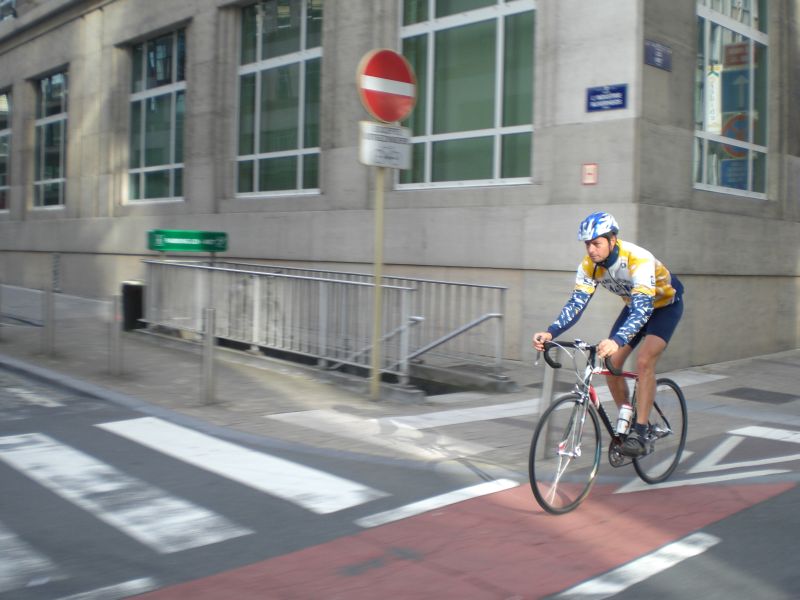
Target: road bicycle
566, 446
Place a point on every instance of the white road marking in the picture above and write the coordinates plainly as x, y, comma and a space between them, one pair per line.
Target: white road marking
32, 397
384, 432
769, 433
688, 377
642, 568
312, 489
521, 408
120, 590
457, 416
22, 566
638, 486
713, 461
148, 514
429, 504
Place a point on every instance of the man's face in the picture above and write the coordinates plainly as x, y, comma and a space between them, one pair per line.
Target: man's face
599, 248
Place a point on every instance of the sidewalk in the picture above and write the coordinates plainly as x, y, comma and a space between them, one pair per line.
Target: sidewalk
169, 376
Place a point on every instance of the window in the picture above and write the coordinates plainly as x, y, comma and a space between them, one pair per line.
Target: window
473, 122
158, 101
5, 148
49, 180
731, 97
279, 87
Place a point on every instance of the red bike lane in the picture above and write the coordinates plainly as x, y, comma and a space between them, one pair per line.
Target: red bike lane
500, 546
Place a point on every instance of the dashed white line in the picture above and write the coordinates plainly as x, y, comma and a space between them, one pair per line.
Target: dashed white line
429, 504
120, 590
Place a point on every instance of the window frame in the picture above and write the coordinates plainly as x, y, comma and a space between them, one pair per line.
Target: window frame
703, 138
5, 134
301, 57
41, 122
497, 12
171, 89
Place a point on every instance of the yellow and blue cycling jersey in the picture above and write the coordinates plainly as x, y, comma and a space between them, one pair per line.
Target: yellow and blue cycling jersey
630, 272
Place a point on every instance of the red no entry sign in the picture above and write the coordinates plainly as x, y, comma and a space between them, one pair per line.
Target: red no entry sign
387, 85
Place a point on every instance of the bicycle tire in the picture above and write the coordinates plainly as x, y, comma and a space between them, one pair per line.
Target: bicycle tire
560, 483
669, 416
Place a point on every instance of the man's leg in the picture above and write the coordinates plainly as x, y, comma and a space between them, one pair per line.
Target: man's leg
618, 386
650, 350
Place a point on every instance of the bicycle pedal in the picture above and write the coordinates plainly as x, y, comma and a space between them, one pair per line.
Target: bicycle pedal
615, 456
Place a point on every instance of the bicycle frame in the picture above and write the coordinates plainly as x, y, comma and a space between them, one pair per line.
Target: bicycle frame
586, 390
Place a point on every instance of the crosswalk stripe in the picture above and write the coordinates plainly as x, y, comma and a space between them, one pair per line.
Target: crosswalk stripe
163, 522
22, 566
310, 488
385, 433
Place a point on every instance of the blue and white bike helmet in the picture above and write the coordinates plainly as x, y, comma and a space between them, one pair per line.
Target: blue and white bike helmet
595, 225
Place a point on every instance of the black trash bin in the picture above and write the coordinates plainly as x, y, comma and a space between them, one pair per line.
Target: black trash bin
132, 305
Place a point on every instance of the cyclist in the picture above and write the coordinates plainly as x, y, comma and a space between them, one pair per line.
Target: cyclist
653, 307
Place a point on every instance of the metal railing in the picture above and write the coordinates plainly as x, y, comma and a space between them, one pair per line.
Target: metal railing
326, 314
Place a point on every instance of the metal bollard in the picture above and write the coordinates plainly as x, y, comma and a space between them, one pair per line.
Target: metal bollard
48, 322
548, 383
209, 383
115, 337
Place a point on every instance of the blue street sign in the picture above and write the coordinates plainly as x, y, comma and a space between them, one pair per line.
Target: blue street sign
733, 173
735, 90
657, 55
607, 97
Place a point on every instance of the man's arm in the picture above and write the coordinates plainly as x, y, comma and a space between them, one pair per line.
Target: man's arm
570, 313
643, 274
641, 308
585, 286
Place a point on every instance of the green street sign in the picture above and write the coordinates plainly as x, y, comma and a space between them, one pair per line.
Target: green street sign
183, 240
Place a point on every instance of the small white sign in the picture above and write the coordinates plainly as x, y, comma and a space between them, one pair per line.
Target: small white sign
589, 173
384, 145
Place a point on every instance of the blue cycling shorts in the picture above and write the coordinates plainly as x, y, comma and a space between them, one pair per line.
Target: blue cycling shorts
662, 322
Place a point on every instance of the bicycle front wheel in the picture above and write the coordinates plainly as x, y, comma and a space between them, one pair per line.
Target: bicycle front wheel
668, 423
565, 454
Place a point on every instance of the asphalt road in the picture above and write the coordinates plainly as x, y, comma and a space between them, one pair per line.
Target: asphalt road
105, 501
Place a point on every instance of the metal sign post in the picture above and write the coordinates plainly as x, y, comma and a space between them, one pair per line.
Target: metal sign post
377, 297
388, 89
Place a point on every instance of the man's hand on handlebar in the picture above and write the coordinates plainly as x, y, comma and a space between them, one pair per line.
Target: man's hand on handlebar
540, 338
606, 348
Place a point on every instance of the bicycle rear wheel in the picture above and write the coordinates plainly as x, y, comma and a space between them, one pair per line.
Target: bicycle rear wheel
668, 422
564, 454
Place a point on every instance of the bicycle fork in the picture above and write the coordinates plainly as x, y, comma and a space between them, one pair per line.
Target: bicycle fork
570, 446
